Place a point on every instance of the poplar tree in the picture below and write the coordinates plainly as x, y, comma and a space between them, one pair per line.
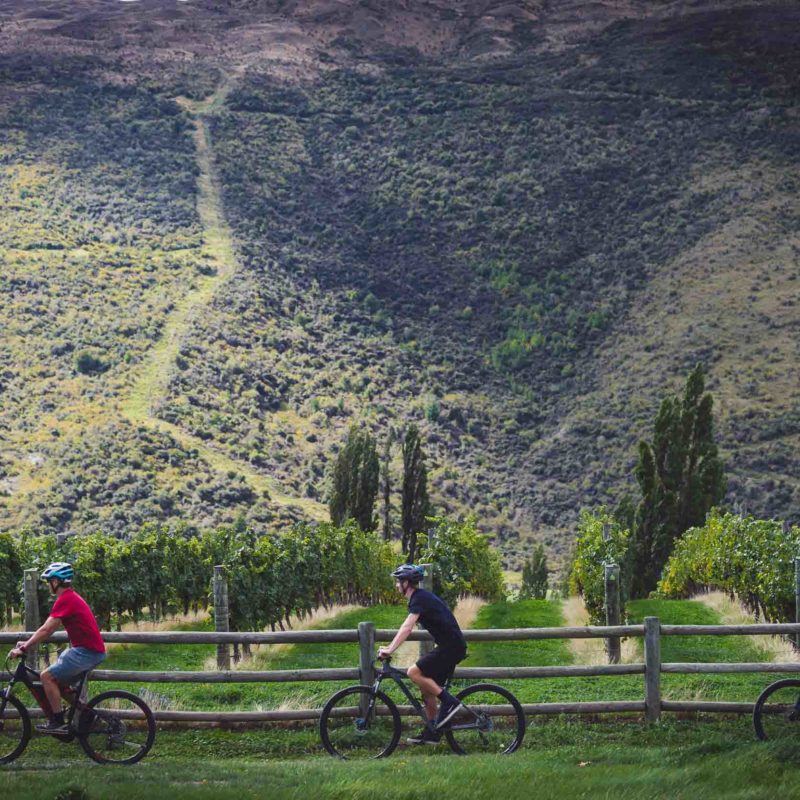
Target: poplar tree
386, 485
355, 482
416, 506
681, 478
535, 575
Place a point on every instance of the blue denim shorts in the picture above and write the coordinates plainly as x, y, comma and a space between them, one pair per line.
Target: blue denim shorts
73, 662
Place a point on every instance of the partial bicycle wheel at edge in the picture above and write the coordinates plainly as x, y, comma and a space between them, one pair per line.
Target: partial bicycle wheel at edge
348, 733
15, 729
776, 715
492, 721
117, 727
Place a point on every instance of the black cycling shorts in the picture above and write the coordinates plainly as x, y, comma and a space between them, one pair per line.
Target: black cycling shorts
438, 665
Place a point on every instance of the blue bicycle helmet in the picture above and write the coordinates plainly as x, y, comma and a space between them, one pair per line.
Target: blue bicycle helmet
409, 572
61, 570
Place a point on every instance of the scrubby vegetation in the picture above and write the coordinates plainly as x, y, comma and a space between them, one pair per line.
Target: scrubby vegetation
462, 244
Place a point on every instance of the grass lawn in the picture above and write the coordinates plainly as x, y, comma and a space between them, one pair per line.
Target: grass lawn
712, 758
620, 757
738, 687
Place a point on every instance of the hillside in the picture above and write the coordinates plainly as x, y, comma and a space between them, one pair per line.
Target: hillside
516, 224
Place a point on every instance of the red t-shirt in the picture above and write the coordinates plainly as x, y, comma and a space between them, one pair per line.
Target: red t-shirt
79, 621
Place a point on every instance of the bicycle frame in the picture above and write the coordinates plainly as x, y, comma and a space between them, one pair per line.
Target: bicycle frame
30, 679
401, 679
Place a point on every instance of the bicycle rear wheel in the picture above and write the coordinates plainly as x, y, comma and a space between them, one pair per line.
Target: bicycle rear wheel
491, 721
360, 723
776, 715
15, 729
116, 727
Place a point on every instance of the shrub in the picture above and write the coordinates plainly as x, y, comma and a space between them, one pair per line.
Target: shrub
592, 552
465, 561
89, 362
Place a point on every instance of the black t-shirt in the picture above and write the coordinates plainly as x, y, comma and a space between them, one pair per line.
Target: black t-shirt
436, 618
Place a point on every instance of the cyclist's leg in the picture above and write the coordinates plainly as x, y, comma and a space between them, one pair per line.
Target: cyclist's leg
70, 664
430, 689
431, 673
52, 691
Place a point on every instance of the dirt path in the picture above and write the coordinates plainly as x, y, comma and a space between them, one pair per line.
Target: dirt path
152, 380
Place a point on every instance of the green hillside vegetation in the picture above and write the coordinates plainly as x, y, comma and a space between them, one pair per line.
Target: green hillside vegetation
396, 266
518, 253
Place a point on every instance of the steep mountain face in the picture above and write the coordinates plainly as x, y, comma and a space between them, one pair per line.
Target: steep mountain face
516, 224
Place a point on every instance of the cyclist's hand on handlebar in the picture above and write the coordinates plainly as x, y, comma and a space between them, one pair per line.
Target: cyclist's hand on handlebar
384, 653
17, 652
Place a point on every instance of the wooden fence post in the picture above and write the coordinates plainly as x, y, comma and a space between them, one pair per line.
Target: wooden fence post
426, 645
366, 670
221, 616
652, 669
31, 594
613, 613
797, 599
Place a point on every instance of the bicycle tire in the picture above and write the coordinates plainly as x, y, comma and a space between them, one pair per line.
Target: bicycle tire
498, 733
347, 736
103, 726
771, 725
8, 734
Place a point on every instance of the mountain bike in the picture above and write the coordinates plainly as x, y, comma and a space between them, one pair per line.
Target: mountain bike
364, 722
114, 727
777, 711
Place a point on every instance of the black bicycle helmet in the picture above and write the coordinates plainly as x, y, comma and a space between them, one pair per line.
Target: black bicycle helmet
409, 572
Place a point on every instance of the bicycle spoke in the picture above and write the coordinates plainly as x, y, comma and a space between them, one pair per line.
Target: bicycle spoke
15, 730
117, 727
490, 722
357, 724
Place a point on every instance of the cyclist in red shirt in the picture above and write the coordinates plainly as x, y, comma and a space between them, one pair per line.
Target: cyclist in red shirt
86, 648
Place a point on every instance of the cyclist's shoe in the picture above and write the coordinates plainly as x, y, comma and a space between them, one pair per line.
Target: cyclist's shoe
425, 736
449, 706
55, 727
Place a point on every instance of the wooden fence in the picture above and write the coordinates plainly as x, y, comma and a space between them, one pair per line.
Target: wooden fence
367, 636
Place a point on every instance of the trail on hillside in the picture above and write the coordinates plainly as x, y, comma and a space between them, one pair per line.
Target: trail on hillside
152, 381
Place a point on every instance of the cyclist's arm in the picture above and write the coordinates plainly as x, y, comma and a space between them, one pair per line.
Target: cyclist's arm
47, 629
401, 635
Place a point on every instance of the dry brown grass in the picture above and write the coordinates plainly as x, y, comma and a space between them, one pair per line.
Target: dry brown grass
592, 651
168, 624
732, 612
261, 654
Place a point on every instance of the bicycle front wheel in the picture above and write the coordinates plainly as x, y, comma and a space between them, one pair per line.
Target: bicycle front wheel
776, 715
116, 727
491, 721
360, 723
15, 729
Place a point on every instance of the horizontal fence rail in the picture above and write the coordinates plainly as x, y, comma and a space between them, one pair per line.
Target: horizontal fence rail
367, 636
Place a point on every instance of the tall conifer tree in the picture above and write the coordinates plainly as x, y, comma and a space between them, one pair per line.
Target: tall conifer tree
416, 506
355, 481
681, 478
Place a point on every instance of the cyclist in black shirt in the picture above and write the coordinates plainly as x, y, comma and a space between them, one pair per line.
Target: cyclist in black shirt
434, 668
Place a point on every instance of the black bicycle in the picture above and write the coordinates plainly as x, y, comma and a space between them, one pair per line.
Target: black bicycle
114, 727
777, 711
364, 722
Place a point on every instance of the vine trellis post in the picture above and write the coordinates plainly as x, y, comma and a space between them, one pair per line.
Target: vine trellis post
426, 645
31, 594
221, 616
613, 610
796, 637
